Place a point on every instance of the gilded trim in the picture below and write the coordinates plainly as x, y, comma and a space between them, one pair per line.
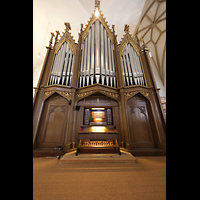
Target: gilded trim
125, 40
102, 20
66, 95
66, 38
129, 95
62, 40
128, 39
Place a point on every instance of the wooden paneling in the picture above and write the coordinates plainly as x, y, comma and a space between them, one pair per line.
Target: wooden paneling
56, 114
53, 122
141, 133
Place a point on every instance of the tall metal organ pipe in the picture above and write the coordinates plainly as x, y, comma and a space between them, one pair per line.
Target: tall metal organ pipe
98, 55
132, 69
62, 69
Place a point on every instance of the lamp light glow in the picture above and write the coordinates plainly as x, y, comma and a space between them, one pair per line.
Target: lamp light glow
98, 108
98, 128
98, 119
96, 12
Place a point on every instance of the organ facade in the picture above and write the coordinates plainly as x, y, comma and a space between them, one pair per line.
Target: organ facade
97, 82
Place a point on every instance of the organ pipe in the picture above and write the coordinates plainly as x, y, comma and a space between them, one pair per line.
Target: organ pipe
129, 66
92, 56
132, 70
125, 67
98, 56
62, 67
65, 66
81, 70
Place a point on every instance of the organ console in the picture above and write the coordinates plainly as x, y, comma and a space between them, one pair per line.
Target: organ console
98, 133
99, 138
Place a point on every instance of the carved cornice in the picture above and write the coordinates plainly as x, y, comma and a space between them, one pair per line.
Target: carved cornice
66, 95
102, 20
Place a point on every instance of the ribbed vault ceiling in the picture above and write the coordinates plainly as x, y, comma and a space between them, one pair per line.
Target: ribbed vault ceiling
152, 28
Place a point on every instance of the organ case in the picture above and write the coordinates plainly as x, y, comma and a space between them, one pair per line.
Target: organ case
97, 67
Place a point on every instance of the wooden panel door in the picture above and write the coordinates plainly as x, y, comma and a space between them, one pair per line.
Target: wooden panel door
53, 124
139, 124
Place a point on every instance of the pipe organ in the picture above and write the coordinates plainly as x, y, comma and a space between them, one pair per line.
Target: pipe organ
97, 59
62, 69
97, 93
132, 69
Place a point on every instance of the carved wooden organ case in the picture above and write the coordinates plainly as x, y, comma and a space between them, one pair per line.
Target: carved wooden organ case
97, 72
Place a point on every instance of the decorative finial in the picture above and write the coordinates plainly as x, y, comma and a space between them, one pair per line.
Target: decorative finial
56, 38
144, 47
67, 25
126, 28
50, 41
113, 28
136, 39
97, 4
81, 28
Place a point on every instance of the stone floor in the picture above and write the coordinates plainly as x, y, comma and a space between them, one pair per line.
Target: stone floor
144, 179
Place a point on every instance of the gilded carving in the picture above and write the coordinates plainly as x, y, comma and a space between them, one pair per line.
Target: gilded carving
125, 40
111, 94
67, 37
84, 94
47, 94
145, 93
105, 24
129, 94
66, 95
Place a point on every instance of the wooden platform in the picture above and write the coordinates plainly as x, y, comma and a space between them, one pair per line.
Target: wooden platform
106, 157
147, 152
